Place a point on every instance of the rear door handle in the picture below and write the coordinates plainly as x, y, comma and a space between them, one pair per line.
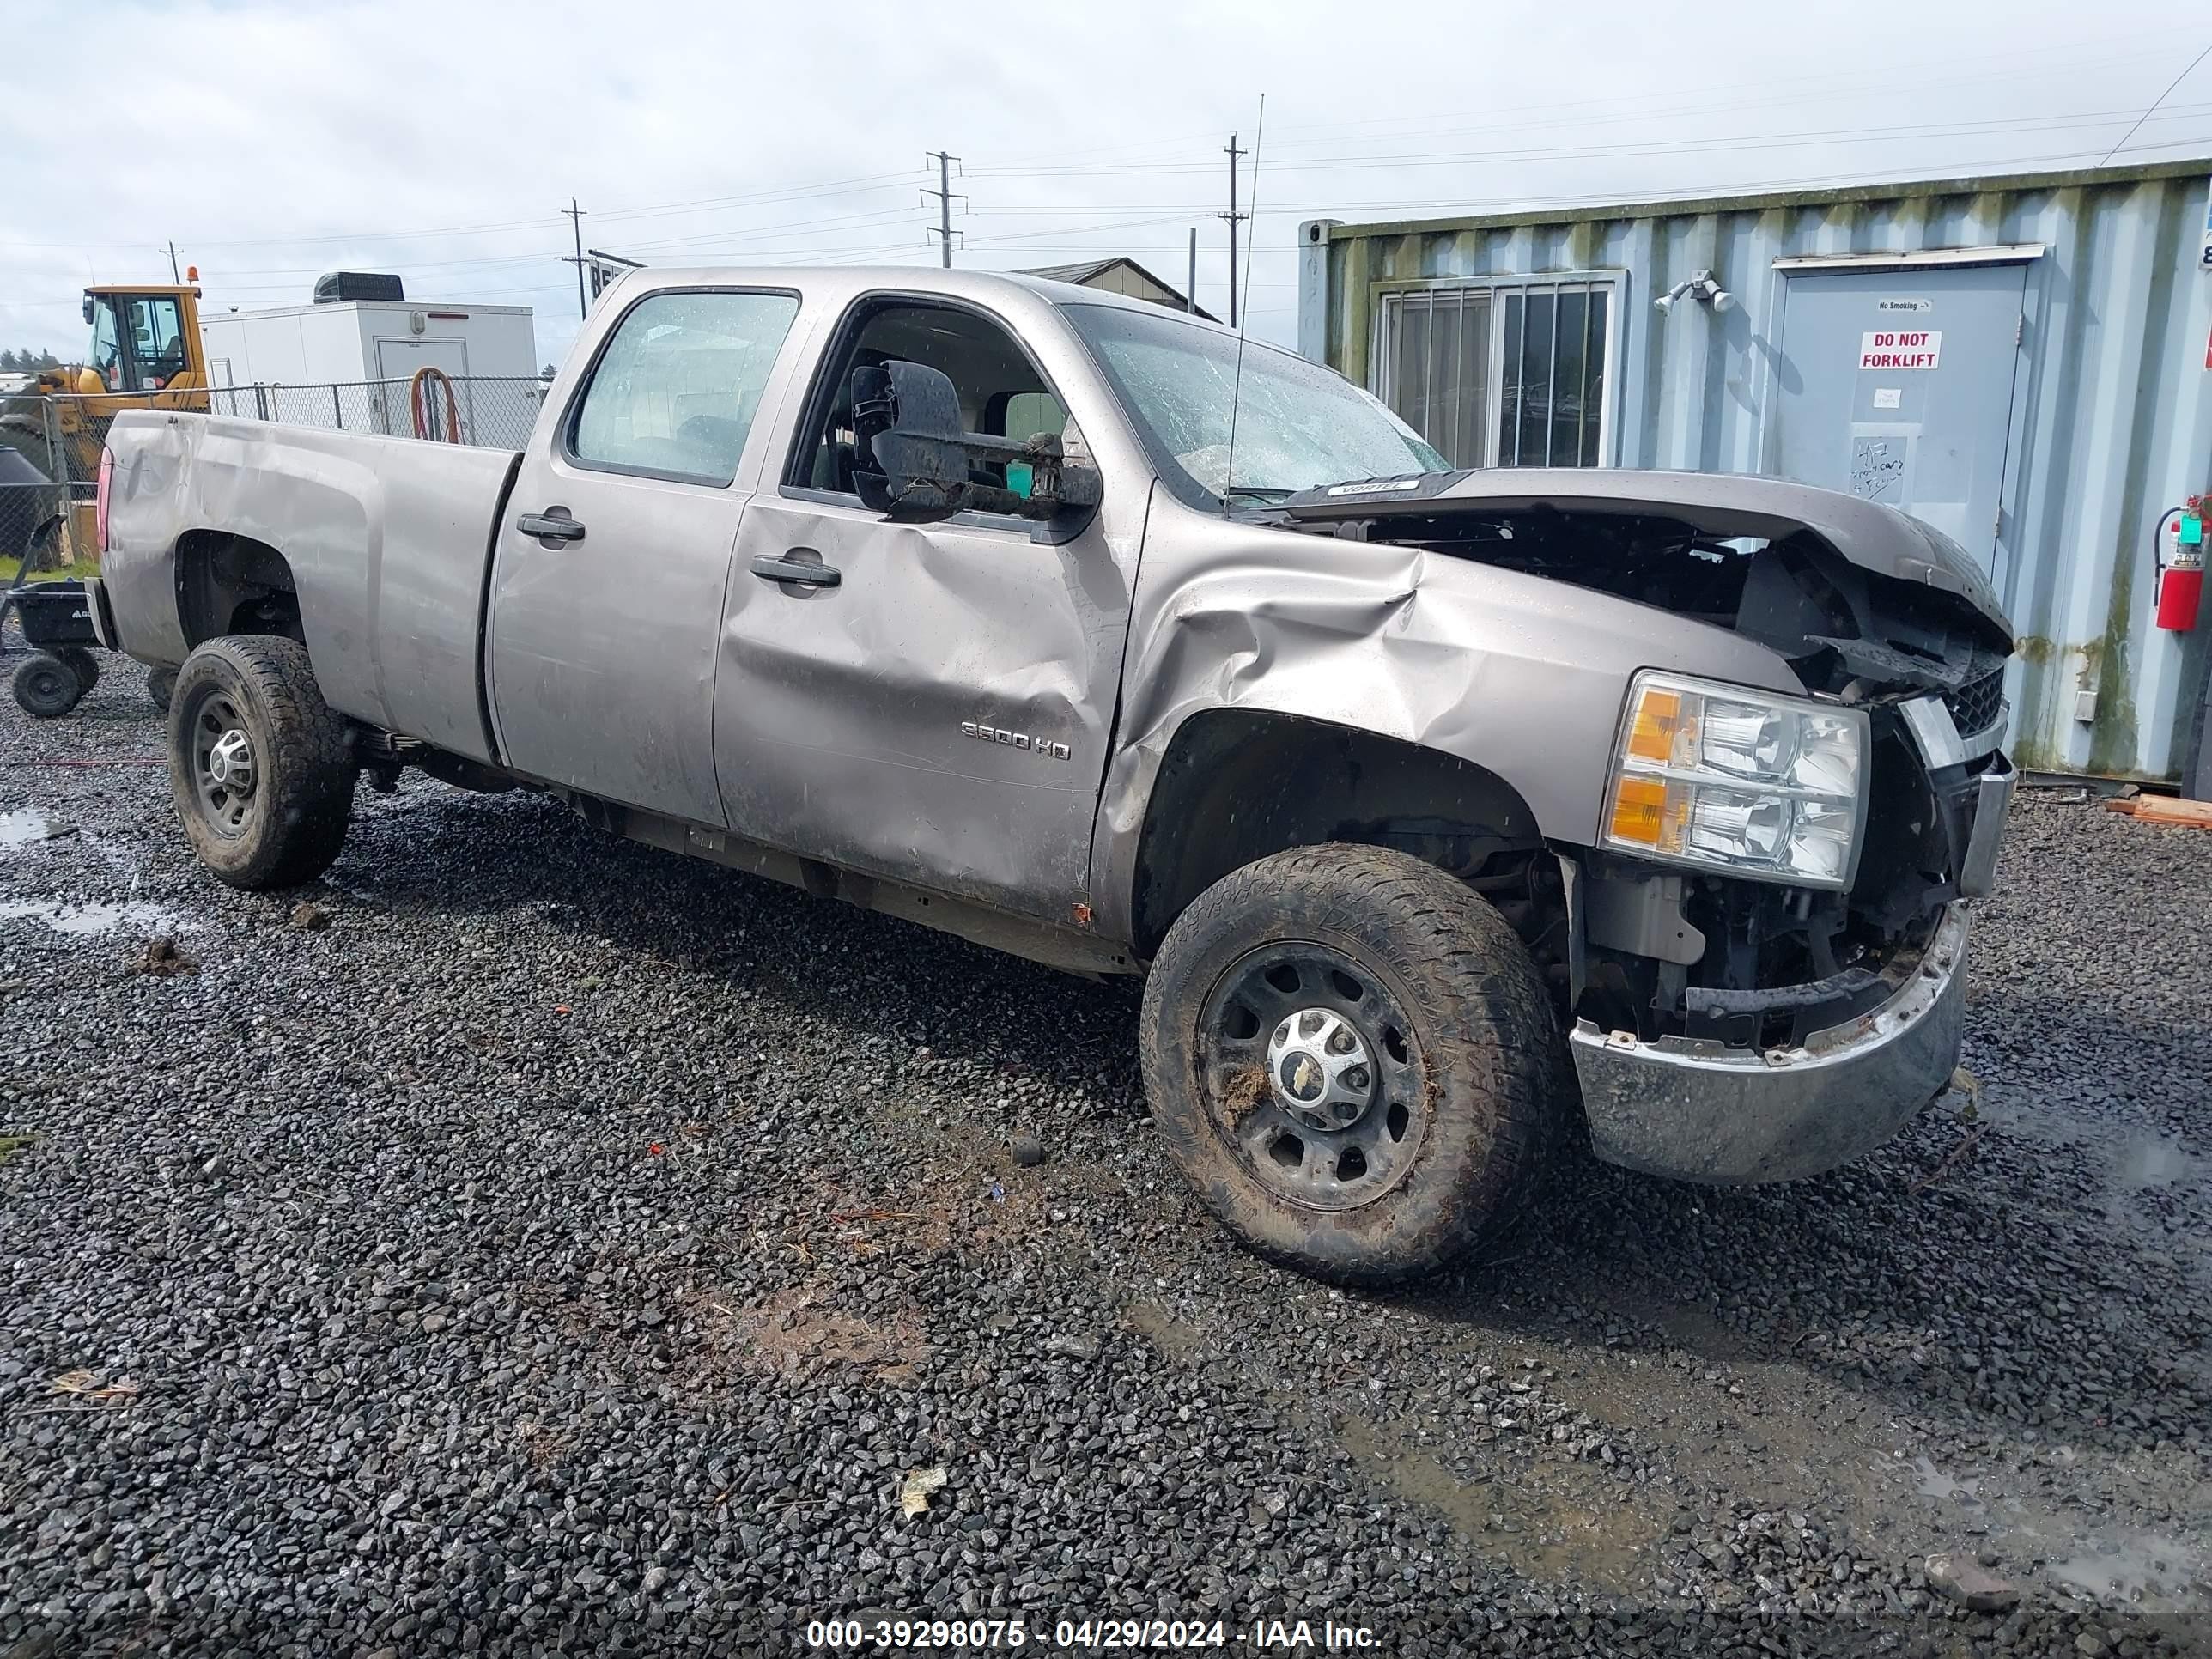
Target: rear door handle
789, 568
555, 524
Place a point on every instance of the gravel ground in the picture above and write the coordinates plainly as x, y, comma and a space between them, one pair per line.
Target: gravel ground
540, 1243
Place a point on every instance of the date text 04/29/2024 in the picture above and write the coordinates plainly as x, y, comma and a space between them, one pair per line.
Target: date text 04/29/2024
1097, 1635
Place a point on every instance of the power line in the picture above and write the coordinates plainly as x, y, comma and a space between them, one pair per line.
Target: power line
1698, 100
2071, 51
2155, 103
1326, 162
702, 204
735, 242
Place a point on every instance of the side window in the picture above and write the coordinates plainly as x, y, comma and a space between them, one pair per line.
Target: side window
106, 345
1000, 393
156, 342
1503, 374
1026, 414
675, 392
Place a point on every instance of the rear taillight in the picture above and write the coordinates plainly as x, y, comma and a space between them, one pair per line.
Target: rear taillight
100, 498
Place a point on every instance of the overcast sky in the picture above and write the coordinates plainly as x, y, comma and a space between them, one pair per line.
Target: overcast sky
276, 141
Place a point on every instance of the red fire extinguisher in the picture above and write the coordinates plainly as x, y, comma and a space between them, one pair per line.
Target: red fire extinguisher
2181, 579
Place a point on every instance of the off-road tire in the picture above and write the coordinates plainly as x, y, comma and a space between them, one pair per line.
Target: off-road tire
304, 770
1482, 1030
82, 664
161, 686
44, 686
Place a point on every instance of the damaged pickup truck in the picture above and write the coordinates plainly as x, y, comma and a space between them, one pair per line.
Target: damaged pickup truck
939, 593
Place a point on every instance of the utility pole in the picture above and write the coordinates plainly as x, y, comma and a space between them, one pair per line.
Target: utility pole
944, 200
576, 218
1234, 217
173, 262
1190, 293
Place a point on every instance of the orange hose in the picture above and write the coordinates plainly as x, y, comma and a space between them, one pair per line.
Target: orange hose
418, 403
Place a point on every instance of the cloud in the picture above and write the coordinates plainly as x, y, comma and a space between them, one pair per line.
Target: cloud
274, 142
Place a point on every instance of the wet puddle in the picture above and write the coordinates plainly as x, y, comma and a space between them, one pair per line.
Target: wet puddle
2155, 1574
1578, 1527
89, 920
21, 826
2151, 1161
1934, 1483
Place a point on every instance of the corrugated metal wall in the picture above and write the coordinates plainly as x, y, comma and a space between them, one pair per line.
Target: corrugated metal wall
2112, 426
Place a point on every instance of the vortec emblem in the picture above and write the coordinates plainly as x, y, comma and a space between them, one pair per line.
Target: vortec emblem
1038, 746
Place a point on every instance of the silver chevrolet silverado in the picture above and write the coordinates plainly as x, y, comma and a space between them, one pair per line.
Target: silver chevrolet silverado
1055, 621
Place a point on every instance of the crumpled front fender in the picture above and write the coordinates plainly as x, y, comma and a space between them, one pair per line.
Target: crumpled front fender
1519, 675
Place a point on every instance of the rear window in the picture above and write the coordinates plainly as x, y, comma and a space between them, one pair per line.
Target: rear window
676, 390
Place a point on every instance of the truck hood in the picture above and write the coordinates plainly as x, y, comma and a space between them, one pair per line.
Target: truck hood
1719, 506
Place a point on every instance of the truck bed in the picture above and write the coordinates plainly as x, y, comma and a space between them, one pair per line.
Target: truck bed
388, 540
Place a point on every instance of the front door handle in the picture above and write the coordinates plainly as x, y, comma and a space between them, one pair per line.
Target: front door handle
791, 569
552, 526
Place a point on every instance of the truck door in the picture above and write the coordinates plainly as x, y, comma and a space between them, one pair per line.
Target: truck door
932, 702
610, 564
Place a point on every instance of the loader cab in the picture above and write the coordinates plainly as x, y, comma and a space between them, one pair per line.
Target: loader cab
144, 339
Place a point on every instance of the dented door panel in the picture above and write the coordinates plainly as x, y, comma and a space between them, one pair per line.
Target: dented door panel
600, 661
941, 713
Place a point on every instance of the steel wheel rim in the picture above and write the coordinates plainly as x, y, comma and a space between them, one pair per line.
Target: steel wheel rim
225, 769
1300, 1149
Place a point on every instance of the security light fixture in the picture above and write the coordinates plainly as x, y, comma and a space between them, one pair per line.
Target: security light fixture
1703, 285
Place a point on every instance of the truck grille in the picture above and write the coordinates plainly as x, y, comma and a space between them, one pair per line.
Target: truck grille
1976, 705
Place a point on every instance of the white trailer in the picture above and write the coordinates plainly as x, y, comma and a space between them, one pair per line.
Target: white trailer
349, 341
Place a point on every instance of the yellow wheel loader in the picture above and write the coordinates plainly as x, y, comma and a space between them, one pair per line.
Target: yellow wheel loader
145, 353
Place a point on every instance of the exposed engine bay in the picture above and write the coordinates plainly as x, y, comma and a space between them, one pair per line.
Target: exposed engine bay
1750, 963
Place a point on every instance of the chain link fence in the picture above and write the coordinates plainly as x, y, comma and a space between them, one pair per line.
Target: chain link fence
494, 412
49, 446
34, 486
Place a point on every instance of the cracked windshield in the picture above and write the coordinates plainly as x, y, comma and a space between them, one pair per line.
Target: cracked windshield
1297, 426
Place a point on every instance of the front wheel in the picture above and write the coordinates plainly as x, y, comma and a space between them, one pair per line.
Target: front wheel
260, 768
1353, 1059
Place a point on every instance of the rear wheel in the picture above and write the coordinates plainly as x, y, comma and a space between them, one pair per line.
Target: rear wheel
1353, 1059
260, 768
44, 686
82, 664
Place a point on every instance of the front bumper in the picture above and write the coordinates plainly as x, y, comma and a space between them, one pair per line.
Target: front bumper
1699, 1111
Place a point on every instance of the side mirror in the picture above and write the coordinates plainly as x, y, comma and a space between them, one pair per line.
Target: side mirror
915, 465
89, 303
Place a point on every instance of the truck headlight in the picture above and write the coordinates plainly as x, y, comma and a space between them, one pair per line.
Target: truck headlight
1725, 777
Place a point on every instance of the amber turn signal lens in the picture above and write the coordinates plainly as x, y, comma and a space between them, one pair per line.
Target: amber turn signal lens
1658, 717
1639, 808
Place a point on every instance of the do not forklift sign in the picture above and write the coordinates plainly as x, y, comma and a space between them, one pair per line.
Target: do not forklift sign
1892, 348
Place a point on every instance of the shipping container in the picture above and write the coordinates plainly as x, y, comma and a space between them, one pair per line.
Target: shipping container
2024, 361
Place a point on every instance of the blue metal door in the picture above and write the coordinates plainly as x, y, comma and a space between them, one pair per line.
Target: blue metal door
1897, 385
